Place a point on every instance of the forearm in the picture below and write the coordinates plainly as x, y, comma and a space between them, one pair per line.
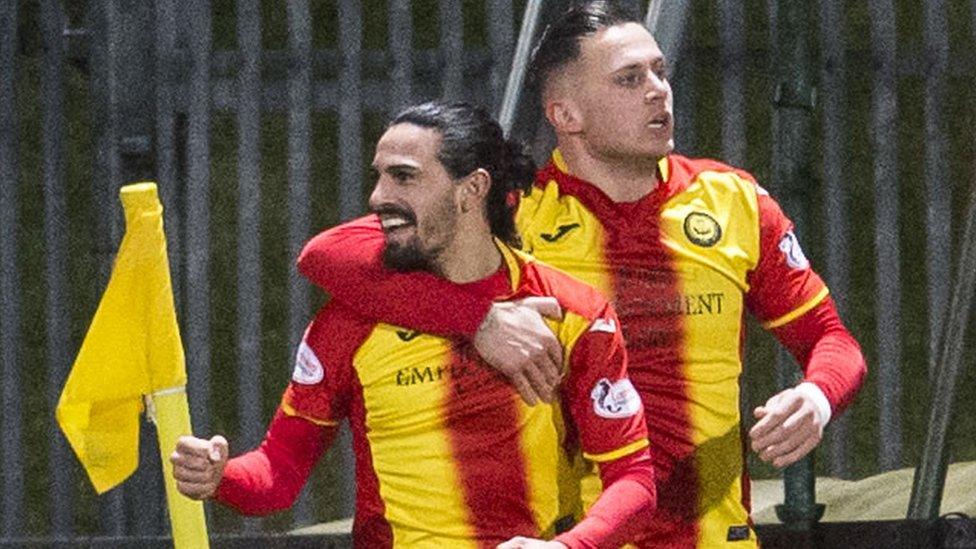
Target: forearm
346, 261
269, 478
828, 353
622, 510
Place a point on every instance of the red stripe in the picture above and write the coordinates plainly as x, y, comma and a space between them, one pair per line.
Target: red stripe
370, 528
645, 287
482, 421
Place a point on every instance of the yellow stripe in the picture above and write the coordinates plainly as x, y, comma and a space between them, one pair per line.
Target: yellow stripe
798, 312
557, 160
511, 259
662, 166
288, 410
619, 452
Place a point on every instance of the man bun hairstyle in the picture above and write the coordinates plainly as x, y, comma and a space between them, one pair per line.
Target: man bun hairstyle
560, 42
471, 139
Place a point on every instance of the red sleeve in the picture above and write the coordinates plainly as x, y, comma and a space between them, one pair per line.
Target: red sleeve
346, 261
782, 285
827, 352
609, 417
269, 478
624, 507
602, 402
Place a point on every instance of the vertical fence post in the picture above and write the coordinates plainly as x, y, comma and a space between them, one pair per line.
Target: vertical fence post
299, 165
249, 227
793, 105
451, 49
835, 210
884, 111
733, 82
105, 179
350, 193
401, 50
350, 110
55, 236
197, 208
667, 21
11, 403
938, 221
500, 34
165, 136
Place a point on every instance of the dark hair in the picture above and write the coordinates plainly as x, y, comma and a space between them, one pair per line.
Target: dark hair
471, 139
560, 42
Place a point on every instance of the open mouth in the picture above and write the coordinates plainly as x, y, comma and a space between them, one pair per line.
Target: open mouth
392, 221
660, 121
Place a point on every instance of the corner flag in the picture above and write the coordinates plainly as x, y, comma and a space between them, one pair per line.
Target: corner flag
132, 352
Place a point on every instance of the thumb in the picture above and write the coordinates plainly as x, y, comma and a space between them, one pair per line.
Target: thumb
544, 305
218, 449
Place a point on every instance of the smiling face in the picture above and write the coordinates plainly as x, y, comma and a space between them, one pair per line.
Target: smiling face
615, 96
415, 197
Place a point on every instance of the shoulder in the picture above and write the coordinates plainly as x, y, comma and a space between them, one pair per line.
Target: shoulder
336, 333
696, 168
574, 295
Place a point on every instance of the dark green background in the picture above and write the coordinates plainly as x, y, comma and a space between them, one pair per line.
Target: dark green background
959, 116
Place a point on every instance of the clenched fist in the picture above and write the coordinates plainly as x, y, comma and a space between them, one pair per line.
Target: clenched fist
198, 465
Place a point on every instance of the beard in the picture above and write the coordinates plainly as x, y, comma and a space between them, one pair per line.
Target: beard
405, 257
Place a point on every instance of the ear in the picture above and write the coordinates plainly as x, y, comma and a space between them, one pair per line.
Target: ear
474, 189
564, 115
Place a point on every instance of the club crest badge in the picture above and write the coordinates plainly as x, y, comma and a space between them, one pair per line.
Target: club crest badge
702, 229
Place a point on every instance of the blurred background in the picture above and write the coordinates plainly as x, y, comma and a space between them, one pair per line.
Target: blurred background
258, 119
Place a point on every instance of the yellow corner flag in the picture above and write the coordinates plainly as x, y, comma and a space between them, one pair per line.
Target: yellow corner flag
133, 351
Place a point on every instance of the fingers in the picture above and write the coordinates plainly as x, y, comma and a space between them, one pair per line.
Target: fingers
787, 430
194, 490
183, 474
540, 383
524, 388
514, 543
796, 454
553, 367
546, 306
198, 465
776, 410
193, 446
218, 449
783, 441
516, 341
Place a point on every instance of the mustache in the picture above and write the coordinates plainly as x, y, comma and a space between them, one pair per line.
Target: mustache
388, 209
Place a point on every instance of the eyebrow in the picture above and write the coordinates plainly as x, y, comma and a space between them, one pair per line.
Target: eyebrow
401, 167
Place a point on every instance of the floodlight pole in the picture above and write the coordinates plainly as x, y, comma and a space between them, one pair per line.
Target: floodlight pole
793, 106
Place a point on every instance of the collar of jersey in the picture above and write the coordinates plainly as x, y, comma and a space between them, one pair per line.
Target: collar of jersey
662, 165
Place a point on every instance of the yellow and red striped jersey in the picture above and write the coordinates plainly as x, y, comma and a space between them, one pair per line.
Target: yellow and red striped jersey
681, 265
447, 454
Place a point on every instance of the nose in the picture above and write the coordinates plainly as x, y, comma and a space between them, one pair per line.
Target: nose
657, 87
378, 196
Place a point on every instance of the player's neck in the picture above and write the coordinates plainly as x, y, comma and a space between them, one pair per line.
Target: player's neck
470, 257
621, 179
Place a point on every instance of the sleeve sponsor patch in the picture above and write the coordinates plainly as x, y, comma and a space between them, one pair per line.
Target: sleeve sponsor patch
308, 369
615, 400
790, 247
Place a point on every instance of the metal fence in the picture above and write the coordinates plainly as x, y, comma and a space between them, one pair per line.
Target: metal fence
257, 120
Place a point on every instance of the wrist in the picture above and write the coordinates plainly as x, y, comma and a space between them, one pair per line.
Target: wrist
818, 398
